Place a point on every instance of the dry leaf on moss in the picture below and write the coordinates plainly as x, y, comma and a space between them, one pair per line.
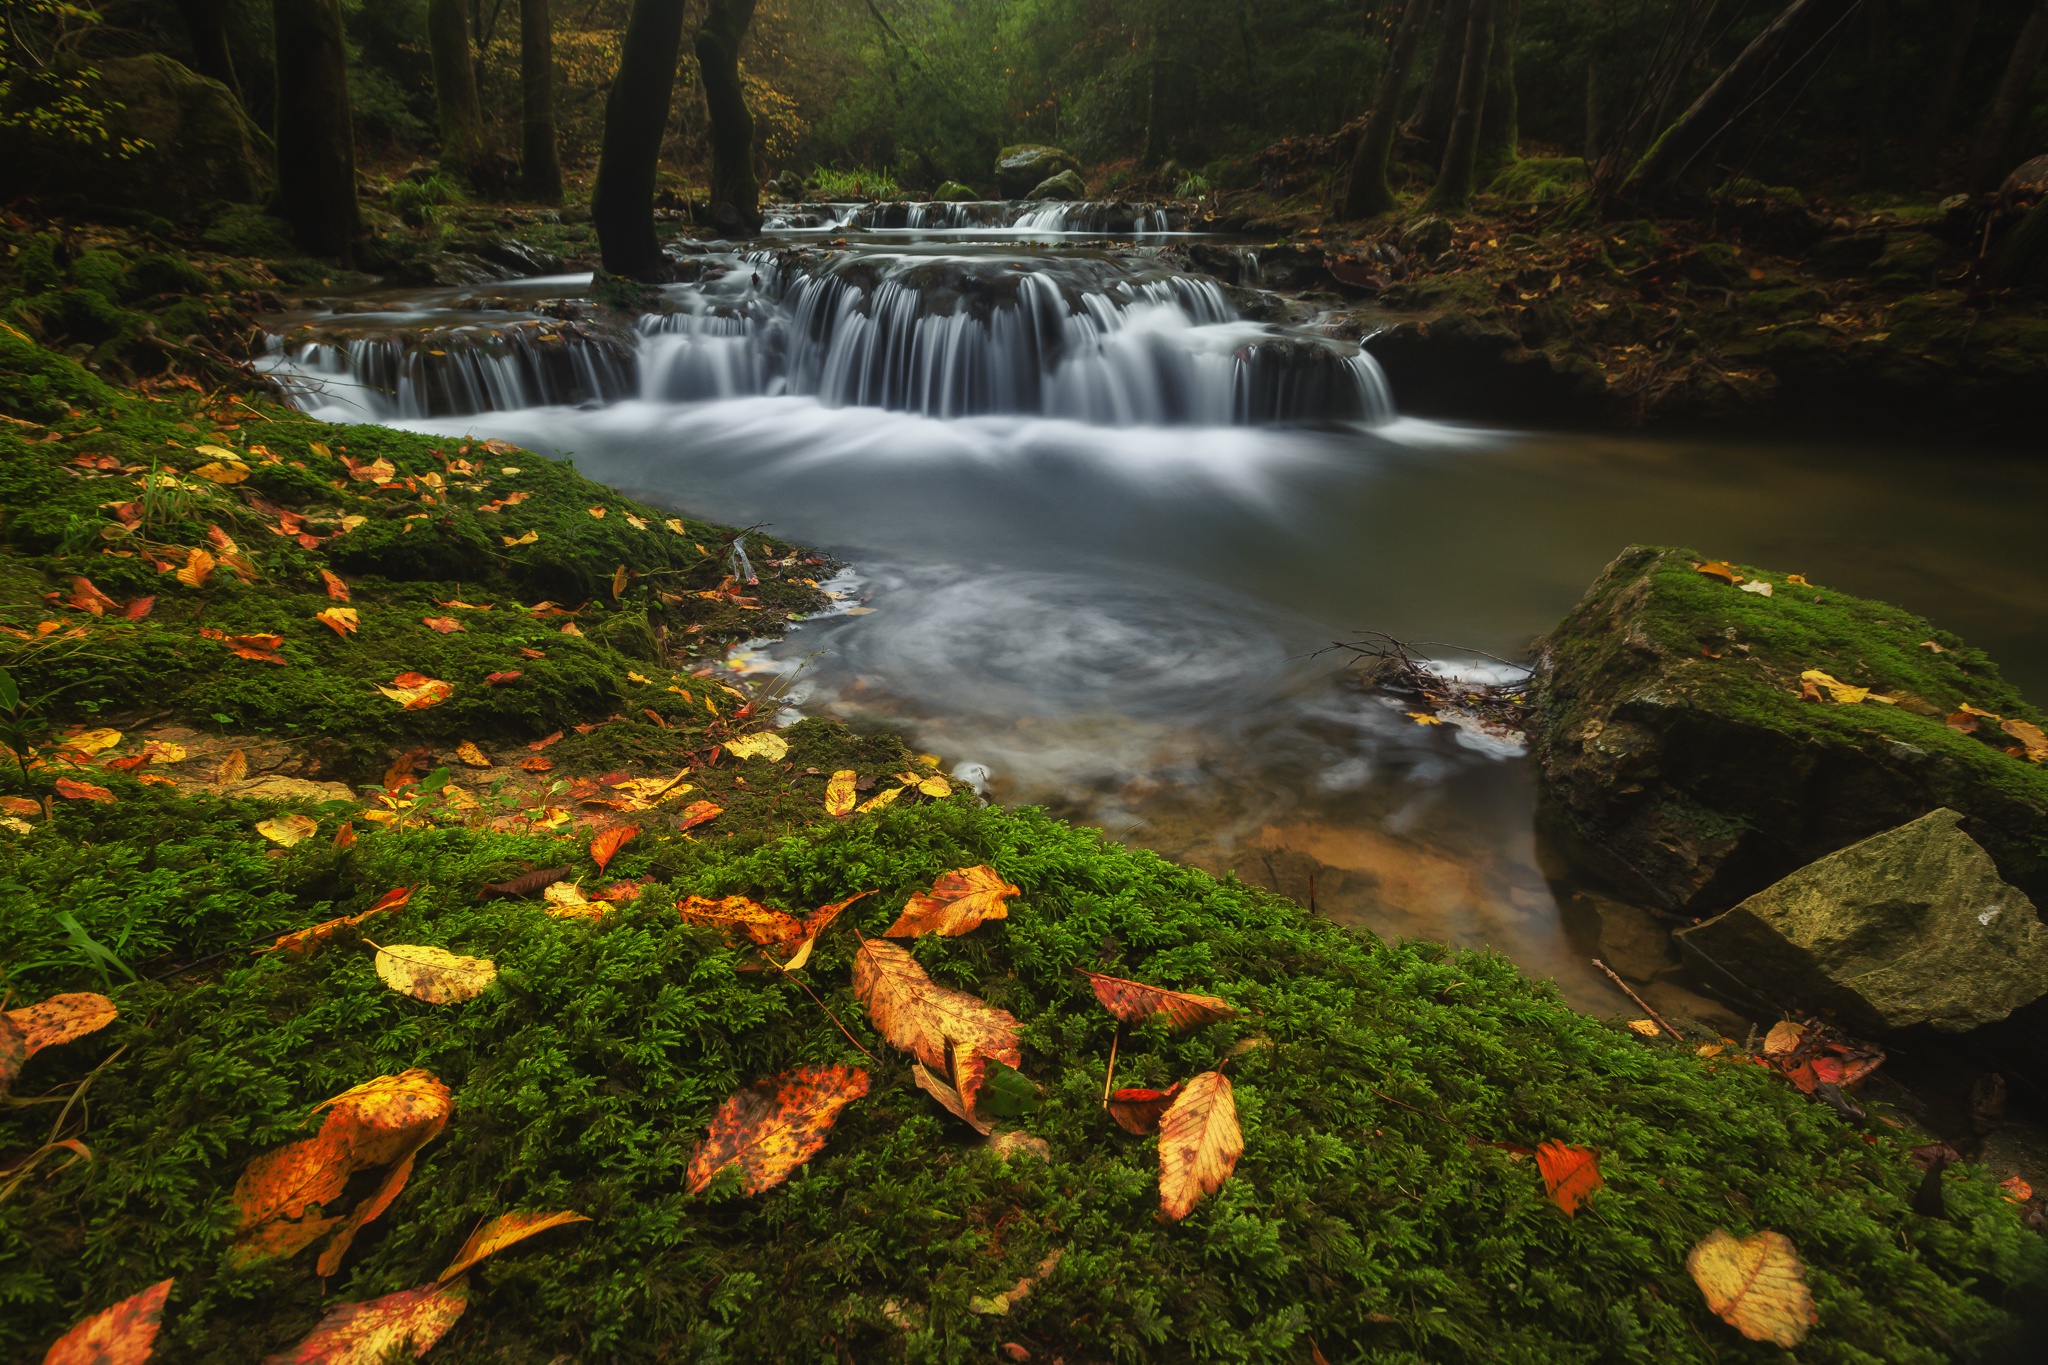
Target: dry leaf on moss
774, 1126
1813, 681
764, 925
1570, 1174
401, 1326
446, 625
565, 900
83, 791
1715, 568
301, 940
122, 1335
90, 742
1783, 1037
1199, 1143
503, 1231
2033, 743
607, 843
60, 1019
1138, 1110
929, 1021
197, 570
336, 589
958, 901
434, 975
766, 744
417, 691
1757, 1285
1134, 1002
341, 620
697, 813
288, 829
949, 1099
840, 793
471, 755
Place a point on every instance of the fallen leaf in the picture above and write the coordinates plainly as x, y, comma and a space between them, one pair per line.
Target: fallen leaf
288, 829
767, 744
401, 1326
379, 470
608, 842
1199, 1143
565, 900
1012, 1141
60, 1019
473, 756
500, 679
416, 691
1784, 1037
537, 764
345, 837
1138, 1110
529, 538
93, 741
2030, 737
1715, 568
948, 1098
840, 793
1645, 1028
929, 1021
764, 925
774, 1126
341, 620
597, 512
1757, 586
507, 1229
1756, 1285
1134, 1001
20, 805
303, 939
1570, 1174
618, 574
936, 787
198, 568
434, 975
2017, 1190
1797, 579
87, 598
83, 791
1000, 1304
523, 885
958, 901
215, 472
697, 813
122, 1335
879, 800
140, 608
446, 625
1840, 692
336, 589
1425, 718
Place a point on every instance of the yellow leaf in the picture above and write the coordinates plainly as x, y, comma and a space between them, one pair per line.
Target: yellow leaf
198, 568
1425, 718
619, 581
416, 691
774, 1126
216, 472
1840, 692
1715, 568
565, 900
638, 523
527, 539
766, 744
674, 525
1757, 1285
1199, 1143
879, 800
434, 975
958, 901
840, 793
163, 751
401, 1326
501, 1232
1797, 579
1783, 1037
287, 829
1757, 586
217, 453
341, 620
947, 1030
935, 787
93, 741
1644, 1028
631, 676
473, 756
597, 512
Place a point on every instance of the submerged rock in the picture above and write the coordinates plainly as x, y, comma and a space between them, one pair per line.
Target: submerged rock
1913, 926
1020, 167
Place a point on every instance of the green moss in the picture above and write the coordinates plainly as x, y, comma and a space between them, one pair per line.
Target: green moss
40, 385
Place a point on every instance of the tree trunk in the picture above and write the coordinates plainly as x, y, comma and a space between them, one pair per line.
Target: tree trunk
540, 164
1993, 156
461, 116
1870, 149
1439, 100
1804, 26
1453, 191
2022, 259
735, 193
635, 117
1499, 127
316, 149
1366, 193
1927, 147
205, 25
1592, 116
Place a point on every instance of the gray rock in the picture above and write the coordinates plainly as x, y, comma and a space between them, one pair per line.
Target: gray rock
1066, 185
1020, 167
1913, 926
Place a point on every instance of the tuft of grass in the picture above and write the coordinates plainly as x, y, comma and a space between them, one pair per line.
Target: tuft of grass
862, 182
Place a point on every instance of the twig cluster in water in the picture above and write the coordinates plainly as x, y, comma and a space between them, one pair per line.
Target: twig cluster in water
1387, 664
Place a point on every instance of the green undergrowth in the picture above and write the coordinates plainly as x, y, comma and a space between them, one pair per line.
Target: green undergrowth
1370, 1213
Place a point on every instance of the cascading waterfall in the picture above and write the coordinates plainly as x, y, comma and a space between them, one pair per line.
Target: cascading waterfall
1087, 216
1086, 338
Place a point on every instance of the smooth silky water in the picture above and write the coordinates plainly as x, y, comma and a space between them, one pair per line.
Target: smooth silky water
1099, 527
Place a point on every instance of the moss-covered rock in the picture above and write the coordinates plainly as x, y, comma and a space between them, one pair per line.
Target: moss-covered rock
1027, 164
40, 385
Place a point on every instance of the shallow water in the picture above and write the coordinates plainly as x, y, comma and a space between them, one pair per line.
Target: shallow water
1119, 617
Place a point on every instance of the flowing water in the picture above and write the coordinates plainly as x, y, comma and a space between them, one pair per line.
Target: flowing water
1100, 524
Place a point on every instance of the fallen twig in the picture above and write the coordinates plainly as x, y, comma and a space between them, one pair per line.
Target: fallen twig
1641, 1003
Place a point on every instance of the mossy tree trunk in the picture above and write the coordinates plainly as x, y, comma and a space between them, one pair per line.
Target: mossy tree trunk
316, 149
1453, 191
1439, 99
1992, 156
540, 163
735, 193
635, 116
206, 26
1366, 192
1500, 132
461, 114
1926, 165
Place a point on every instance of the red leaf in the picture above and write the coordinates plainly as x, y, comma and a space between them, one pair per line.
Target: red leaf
139, 608
500, 679
697, 813
1570, 1174
1138, 1111
609, 842
122, 1335
1134, 1001
83, 791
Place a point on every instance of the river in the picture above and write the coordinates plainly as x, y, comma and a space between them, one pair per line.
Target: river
1099, 526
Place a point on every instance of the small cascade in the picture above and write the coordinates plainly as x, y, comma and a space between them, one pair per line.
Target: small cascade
454, 371
1105, 217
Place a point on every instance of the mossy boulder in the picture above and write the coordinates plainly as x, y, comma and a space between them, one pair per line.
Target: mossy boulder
1679, 765
40, 385
1910, 927
190, 144
1065, 186
953, 192
1021, 167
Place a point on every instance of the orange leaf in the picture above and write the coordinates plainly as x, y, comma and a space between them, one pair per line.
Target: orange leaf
774, 1126
958, 901
122, 1335
198, 568
1199, 1143
1134, 1001
500, 679
416, 691
821, 918
341, 620
336, 589
534, 763
2030, 737
88, 598
543, 742
1570, 1174
83, 791
608, 842
139, 608
304, 939
503, 1231
929, 1021
697, 813
447, 625
2017, 1190
1138, 1111
1715, 568
764, 925
401, 1326
840, 792
1757, 1285
345, 837
59, 1019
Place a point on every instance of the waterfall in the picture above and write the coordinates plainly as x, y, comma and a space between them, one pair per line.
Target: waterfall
456, 371
1037, 215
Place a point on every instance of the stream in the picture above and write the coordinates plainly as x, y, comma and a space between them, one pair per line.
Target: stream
1100, 524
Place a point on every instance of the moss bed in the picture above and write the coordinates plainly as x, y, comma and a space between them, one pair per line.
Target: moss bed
1372, 1216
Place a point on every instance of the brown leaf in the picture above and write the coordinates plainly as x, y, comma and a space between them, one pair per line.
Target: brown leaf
774, 1126
764, 925
697, 813
1757, 1285
929, 1021
85, 597
57, 1020
341, 620
198, 568
1139, 1110
1570, 1174
505, 1230
139, 608
336, 589
471, 755
122, 1335
1134, 1001
401, 1326
1199, 1143
500, 679
948, 1098
545, 741
447, 625
416, 691
303, 939
83, 791
2030, 737
840, 793
524, 885
958, 901
537, 763
608, 842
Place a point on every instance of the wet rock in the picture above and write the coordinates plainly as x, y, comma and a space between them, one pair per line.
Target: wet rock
1913, 926
456, 268
953, 192
1027, 164
2029, 177
1065, 186
511, 254
1459, 366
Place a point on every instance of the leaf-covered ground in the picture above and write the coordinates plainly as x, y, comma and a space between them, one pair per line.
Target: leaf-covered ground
1370, 1214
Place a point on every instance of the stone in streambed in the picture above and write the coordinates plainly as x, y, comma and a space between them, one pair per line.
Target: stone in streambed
1065, 186
1027, 164
1910, 927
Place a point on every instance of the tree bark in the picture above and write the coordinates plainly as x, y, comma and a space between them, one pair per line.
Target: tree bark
316, 149
635, 117
205, 24
1992, 156
1453, 190
1366, 192
540, 163
461, 115
1500, 131
1927, 147
1804, 26
735, 193
1439, 99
